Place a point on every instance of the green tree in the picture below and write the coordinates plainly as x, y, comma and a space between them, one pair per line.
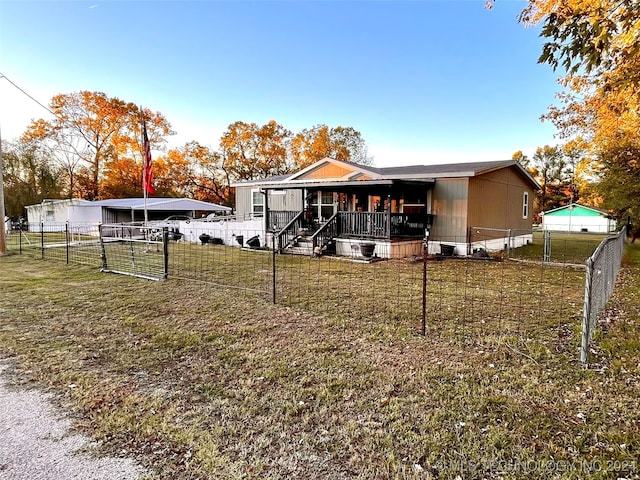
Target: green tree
550, 169
620, 182
28, 178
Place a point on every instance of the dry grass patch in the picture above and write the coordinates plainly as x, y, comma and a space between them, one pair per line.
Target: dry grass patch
206, 382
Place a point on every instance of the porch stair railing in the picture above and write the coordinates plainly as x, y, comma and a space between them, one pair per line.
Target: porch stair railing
288, 234
326, 232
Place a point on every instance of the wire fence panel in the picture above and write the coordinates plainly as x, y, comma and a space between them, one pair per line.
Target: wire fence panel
572, 248
134, 250
602, 271
459, 291
367, 285
222, 255
473, 298
536, 245
24, 242
71, 243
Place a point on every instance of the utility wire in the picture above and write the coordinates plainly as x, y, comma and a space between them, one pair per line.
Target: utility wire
12, 83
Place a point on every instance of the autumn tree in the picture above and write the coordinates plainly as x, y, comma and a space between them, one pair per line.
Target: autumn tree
90, 129
320, 141
205, 174
121, 178
597, 43
522, 159
580, 169
254, 151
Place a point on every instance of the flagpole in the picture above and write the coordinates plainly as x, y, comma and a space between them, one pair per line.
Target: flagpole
144, 170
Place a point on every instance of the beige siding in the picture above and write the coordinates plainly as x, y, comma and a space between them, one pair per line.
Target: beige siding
450, 209
243, 201
495, 200
291, 200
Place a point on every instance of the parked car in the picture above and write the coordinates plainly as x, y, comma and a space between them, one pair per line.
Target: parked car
171, 221
218, 216
177, 218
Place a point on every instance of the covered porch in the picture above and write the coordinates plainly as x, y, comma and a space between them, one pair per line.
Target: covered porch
383, 212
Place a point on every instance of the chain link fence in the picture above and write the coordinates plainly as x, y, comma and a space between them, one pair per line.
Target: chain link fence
601, 273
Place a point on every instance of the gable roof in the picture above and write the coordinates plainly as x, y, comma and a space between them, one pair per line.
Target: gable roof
348, 172
581, 210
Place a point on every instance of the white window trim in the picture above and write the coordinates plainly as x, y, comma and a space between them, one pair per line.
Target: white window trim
253, 204
525, 205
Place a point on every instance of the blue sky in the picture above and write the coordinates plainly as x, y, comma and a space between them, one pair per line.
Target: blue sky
423, 81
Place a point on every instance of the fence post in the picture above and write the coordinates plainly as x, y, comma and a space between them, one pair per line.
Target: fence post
66, 239
273, 265
42, 239
103, 252
165, 251
425, 253
546, 256
586, 315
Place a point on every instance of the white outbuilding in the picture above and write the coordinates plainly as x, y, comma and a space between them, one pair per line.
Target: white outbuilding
578, 218
83, 212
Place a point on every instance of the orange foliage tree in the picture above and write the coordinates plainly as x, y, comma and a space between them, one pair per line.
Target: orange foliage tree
597, 44
90, 130
256, 151
320, 141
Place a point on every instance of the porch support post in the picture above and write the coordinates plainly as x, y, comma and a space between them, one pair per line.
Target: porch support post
267, 226
388, 232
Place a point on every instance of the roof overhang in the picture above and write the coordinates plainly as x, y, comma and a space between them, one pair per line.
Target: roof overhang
336, 185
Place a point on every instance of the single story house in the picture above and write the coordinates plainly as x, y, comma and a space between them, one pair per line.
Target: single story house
331, 203
117, 210
578, 218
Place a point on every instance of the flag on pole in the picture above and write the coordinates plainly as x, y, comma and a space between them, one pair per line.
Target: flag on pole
147, 169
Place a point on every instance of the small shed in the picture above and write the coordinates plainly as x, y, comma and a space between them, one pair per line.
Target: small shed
578, 218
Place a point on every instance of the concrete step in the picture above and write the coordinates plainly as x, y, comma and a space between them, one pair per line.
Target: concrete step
302, 246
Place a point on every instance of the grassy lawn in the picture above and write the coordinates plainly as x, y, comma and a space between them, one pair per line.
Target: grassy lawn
564, 247
211, 382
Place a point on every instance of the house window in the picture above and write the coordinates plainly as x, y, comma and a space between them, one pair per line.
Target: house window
257, 203
322, 204
525, 205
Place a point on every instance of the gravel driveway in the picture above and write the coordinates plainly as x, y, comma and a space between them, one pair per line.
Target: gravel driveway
37, 442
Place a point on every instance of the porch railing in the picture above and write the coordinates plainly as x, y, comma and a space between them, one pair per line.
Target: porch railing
279, 219
372, 225
364, 224
410, 224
